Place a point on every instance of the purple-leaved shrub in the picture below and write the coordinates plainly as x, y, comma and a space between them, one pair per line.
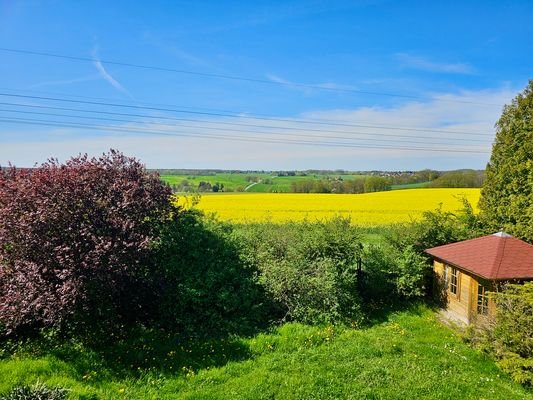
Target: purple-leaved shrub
76, 241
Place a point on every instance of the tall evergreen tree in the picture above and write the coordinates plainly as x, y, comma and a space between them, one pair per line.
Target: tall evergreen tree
507, 195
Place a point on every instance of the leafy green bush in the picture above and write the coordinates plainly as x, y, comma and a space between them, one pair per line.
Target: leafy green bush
391, 274
513, 331
399, 267
436, 228
309, 269
411, 274
38, 391
206, 286
379, 278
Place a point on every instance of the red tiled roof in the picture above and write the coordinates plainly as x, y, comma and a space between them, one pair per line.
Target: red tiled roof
499, 256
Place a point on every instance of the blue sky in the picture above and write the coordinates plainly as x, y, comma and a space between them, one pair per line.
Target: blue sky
387, 85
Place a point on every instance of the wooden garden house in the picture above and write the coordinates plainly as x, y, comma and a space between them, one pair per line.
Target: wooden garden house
465, 271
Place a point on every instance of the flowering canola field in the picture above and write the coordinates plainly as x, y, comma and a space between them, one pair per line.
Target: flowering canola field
364, 209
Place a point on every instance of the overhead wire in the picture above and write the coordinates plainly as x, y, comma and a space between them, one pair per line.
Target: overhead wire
247, 114
181, 111
234, 130
107, 128
233, 77
216, 122
283, 137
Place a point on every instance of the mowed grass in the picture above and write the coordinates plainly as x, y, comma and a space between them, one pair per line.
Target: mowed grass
406, 355
368, 209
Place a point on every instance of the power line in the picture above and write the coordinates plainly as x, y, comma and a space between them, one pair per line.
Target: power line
218, 129
174, 110
213, 122
249, 115
136, 101
234, 77
226, 137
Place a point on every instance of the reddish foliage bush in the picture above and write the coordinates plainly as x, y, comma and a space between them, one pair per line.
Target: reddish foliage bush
76, 239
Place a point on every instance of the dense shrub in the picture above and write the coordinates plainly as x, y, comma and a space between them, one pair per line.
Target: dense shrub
38, 391
379, 279
392, 274
75, 242
309, 269
513, 331
436, 228
399, 266
411, 274
206, 287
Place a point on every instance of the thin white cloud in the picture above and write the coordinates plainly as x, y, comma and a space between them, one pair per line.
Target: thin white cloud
308, 88
201, 148
408, 60
282, 81
65, 81
334, 86
106, 75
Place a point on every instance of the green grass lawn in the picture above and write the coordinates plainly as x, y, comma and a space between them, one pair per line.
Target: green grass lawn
406, 355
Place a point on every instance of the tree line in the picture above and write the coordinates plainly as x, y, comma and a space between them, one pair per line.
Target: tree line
358, 185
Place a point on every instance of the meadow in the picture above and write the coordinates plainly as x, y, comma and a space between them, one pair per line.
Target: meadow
368, 209
402, 355
238, 182
232, 182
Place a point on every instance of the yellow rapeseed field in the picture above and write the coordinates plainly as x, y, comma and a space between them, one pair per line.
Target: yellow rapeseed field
363, 209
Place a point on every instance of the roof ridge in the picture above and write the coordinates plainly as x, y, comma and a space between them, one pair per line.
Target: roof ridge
504, 240
460, 242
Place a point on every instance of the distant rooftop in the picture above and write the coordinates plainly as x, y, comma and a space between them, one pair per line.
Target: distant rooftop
499, 256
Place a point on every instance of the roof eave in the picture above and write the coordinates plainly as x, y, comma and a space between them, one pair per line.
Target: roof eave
459, 266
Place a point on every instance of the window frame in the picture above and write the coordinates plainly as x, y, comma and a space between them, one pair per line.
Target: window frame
452, 279
482, 300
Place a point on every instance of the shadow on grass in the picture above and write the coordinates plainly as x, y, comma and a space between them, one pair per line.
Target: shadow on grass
143, 353
203, 298
157, 353
150, 352
207, 298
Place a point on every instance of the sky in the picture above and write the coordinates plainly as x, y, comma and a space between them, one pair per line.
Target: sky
262, 85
